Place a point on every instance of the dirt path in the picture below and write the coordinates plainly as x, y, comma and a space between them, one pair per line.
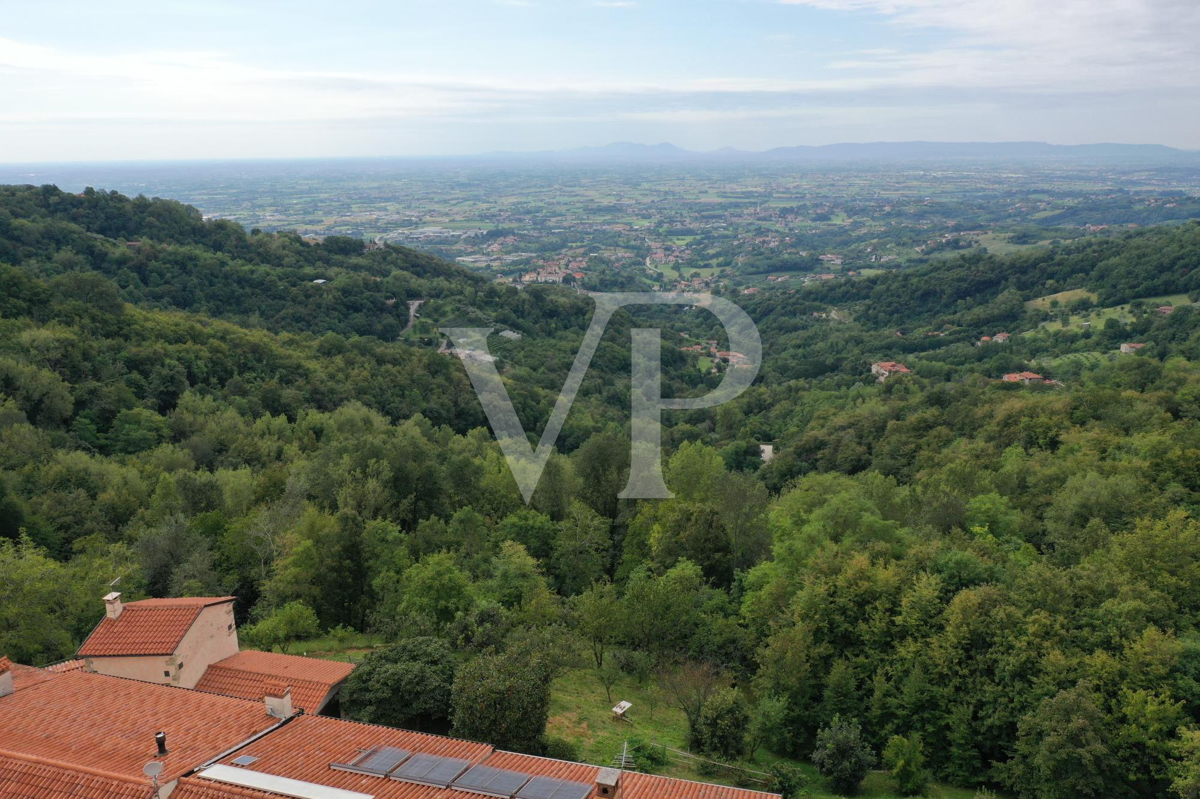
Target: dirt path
413, 306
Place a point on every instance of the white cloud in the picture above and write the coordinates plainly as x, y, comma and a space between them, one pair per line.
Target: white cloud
1057, 44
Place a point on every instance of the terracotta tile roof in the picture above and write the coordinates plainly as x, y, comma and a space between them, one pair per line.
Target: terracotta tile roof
97, 722
650, 786
27, 676
247, 674
304, 748
147, 627
23, 777
65, 666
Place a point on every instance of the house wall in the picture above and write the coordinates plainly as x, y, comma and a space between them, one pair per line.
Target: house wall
212, 637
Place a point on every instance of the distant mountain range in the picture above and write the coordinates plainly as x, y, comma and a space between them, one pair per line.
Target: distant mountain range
630, 152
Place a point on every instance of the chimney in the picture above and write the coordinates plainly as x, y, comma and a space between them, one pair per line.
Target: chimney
608, 783
113, 606
279, 700
6, 677
160, 740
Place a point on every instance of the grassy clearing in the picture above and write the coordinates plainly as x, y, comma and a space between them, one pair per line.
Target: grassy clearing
1063, 297
580, 712
1098, 316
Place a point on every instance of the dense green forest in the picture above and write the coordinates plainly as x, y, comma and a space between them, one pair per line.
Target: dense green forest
997, 581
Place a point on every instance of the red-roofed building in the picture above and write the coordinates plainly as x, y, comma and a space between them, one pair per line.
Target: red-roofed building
314, 682
885, 369
90, 724
168, 641
1027, 378
76, 735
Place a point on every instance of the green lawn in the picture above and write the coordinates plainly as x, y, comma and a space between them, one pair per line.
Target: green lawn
581, 713
1063, 297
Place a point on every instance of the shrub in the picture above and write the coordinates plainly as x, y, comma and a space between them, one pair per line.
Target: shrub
788, 781
842, 756
723, 725
905, 757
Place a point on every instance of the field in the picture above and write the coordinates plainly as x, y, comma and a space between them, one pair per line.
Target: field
1063, 298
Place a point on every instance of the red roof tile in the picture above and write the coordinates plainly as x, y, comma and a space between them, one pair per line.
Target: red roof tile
147, 627
98, 722
247, 674
304, 748
649, 786
22, 777
27, 676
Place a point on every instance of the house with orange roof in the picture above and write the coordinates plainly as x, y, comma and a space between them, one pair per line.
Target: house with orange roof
191, 642
81, 735
168, 641
885, 369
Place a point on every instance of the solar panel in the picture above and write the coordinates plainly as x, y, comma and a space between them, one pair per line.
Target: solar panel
554, 788
431, 770
375, 762
244, 760
491, 781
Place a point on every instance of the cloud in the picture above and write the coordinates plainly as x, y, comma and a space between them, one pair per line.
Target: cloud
1101, 44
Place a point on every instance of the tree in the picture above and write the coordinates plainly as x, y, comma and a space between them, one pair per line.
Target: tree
1185, 772
581, 548
437, 589
516, 577
688, 688
841, 693
724, 724
282, 627
597, 614
503, 700
609, 674
768, 725
532, 529
905, 757
1062, 749
842, 756
31, 604
402, 685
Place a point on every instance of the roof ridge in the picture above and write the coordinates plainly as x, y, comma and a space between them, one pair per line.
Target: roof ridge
46, 761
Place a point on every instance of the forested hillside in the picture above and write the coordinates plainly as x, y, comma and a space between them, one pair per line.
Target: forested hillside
1003, 576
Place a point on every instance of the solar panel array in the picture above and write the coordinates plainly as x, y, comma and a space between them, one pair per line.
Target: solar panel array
377, 762
456, 773
431, 770
554, 788
491, 781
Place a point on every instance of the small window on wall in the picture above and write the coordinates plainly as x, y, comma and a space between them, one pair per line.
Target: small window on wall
179, 667
230, 628
166, 674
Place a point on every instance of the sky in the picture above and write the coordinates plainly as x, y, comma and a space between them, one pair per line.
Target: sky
132, 80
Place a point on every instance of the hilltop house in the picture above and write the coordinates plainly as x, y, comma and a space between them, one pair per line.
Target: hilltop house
1129, 348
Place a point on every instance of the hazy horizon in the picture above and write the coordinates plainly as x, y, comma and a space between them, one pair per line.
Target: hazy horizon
219, 80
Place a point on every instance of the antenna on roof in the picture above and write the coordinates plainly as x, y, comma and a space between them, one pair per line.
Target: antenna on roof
152, 770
